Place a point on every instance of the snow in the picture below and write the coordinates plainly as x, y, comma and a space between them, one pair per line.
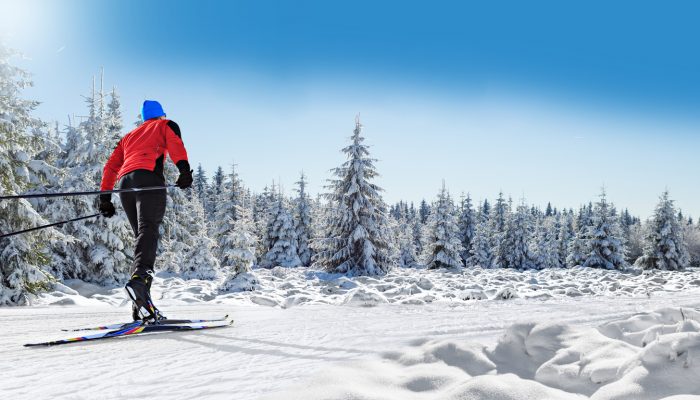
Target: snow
413, 334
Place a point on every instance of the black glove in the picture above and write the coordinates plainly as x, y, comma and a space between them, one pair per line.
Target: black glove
185, 179
106, 206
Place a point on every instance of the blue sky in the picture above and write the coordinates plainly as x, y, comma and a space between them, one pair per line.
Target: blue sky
547, 99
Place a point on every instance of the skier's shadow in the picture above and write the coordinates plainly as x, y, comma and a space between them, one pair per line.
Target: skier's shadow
232, 348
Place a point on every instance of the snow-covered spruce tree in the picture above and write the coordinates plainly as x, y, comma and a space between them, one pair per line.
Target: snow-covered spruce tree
544, 247
101, 252
50, 152
606, 248
692, 240
187, 248
263, 218
355, 242
228, 203
565, 236
200, 186
283, 238
498, 223
467, 226
319, 212
635, 241
579, 245
513, 248
481, 253
499, 214
303, 223
405, 243
424, 212
214, 193
106, 248
22, 257
113, 119
443, 245
240, 256
417, 231
200, 262
664, 247
241, 253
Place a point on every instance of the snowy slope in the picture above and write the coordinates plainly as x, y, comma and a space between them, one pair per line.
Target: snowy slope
565, 334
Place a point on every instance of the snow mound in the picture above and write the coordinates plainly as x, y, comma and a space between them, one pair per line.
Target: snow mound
532, 361
505, 387
365, 297
293, 287
242, 282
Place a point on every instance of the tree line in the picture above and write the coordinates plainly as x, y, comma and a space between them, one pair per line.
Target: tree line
220, 229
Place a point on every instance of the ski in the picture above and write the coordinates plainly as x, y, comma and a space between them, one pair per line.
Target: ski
133, 329
123, 325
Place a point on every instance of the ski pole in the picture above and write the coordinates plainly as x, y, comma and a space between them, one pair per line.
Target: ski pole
66, 194
4, 235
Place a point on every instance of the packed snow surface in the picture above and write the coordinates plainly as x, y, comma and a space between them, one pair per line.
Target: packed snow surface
414, 334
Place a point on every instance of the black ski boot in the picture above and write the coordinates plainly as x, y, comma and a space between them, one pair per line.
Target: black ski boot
139, 291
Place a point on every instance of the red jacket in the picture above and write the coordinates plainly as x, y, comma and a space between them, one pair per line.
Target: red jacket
143, 148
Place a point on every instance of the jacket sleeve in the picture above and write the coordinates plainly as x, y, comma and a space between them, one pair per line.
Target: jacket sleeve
175, 146
111, 170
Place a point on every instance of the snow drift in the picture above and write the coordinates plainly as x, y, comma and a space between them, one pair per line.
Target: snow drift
648, 356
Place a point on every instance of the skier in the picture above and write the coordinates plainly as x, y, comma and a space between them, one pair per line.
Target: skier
136, 162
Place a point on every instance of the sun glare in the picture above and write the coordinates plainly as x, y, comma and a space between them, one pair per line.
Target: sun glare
23, 20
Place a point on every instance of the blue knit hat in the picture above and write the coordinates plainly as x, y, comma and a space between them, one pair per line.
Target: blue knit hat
151, 109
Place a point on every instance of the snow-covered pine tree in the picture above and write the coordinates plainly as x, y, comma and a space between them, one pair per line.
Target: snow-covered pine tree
443, 245
549, 211
467, 226
499, 215
498, 223
22, 257
481, 253
113, 120
545, 247
606, 248
283, 238
303, 222
214, 193
199, 262
424, 212
664, 247
200, 186
228, 201
101, 252
578, 246
187, 250
635, 242
513, 247
240, 255
319, 212
417, 231
355, 242
565, 236
267, 221
692, 241
50, 152
485, 209
405, 243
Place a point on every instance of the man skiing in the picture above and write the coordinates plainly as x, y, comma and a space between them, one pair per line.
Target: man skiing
137, 162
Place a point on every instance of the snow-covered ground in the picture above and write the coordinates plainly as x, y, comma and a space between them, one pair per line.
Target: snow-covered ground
415, 334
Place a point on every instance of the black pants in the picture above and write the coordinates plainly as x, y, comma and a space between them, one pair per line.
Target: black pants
145, 211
